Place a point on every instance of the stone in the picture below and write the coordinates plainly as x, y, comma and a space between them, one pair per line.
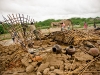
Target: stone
39, 73
15, 73
46, 71
52, 74
87, 74
37, 58
97, 65
58, 72
56, 64
32, 73
43, 66
25, 61
81, 56
98, 42
62, 67
31, 67
52, 68
30, 61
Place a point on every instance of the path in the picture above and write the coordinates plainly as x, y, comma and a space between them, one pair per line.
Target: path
6, 42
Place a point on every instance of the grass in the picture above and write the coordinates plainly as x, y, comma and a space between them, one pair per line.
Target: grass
8, 36
81, 26
5, 36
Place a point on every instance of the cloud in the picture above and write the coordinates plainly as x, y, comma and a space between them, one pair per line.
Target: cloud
46, 9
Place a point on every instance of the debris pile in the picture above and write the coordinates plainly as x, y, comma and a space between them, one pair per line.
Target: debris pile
53, 57
10, 56
72, 36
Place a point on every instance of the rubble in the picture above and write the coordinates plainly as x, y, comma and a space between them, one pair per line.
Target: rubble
31, 67
43, 67
46, 61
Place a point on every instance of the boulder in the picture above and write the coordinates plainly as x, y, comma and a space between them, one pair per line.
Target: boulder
43, 66
31, 67
58, 72
45, 72
52, 68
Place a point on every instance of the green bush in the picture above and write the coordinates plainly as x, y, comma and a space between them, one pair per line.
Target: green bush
46, 23
1, 29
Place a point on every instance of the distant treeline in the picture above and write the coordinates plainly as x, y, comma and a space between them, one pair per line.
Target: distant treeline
75, 21
47, 23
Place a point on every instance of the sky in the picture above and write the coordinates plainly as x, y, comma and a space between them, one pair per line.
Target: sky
40, 10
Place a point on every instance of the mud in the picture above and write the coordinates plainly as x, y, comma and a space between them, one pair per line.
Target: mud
15, 61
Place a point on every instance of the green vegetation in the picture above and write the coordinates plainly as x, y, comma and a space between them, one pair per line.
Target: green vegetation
76, 21
1, 29
46, 23
5, 36
80, 21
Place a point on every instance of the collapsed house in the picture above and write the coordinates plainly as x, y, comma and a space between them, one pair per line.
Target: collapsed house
49, 56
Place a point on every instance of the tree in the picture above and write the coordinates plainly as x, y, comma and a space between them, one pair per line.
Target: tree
1, 29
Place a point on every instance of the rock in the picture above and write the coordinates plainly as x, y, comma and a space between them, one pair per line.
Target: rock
98, 62
94, 51
30, 50
62, 67
37, 58
57, 64
99, 48
87, 74
98, 42
25, 61
52, 68
58, 72
52, 74
15, 73
31, 67
97, 65
67, 66
30, 61
88, 44
81, 56
52, 43
45, 72
39, 73
32, 73
51, 58
43, 66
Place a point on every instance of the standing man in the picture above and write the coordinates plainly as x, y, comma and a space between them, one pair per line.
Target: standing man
32, 27
33, 30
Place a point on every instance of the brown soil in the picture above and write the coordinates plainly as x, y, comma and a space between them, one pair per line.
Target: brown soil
15, 61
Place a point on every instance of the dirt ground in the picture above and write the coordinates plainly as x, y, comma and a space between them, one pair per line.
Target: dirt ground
44, 61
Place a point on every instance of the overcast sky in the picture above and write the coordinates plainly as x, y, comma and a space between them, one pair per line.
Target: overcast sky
41, 10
